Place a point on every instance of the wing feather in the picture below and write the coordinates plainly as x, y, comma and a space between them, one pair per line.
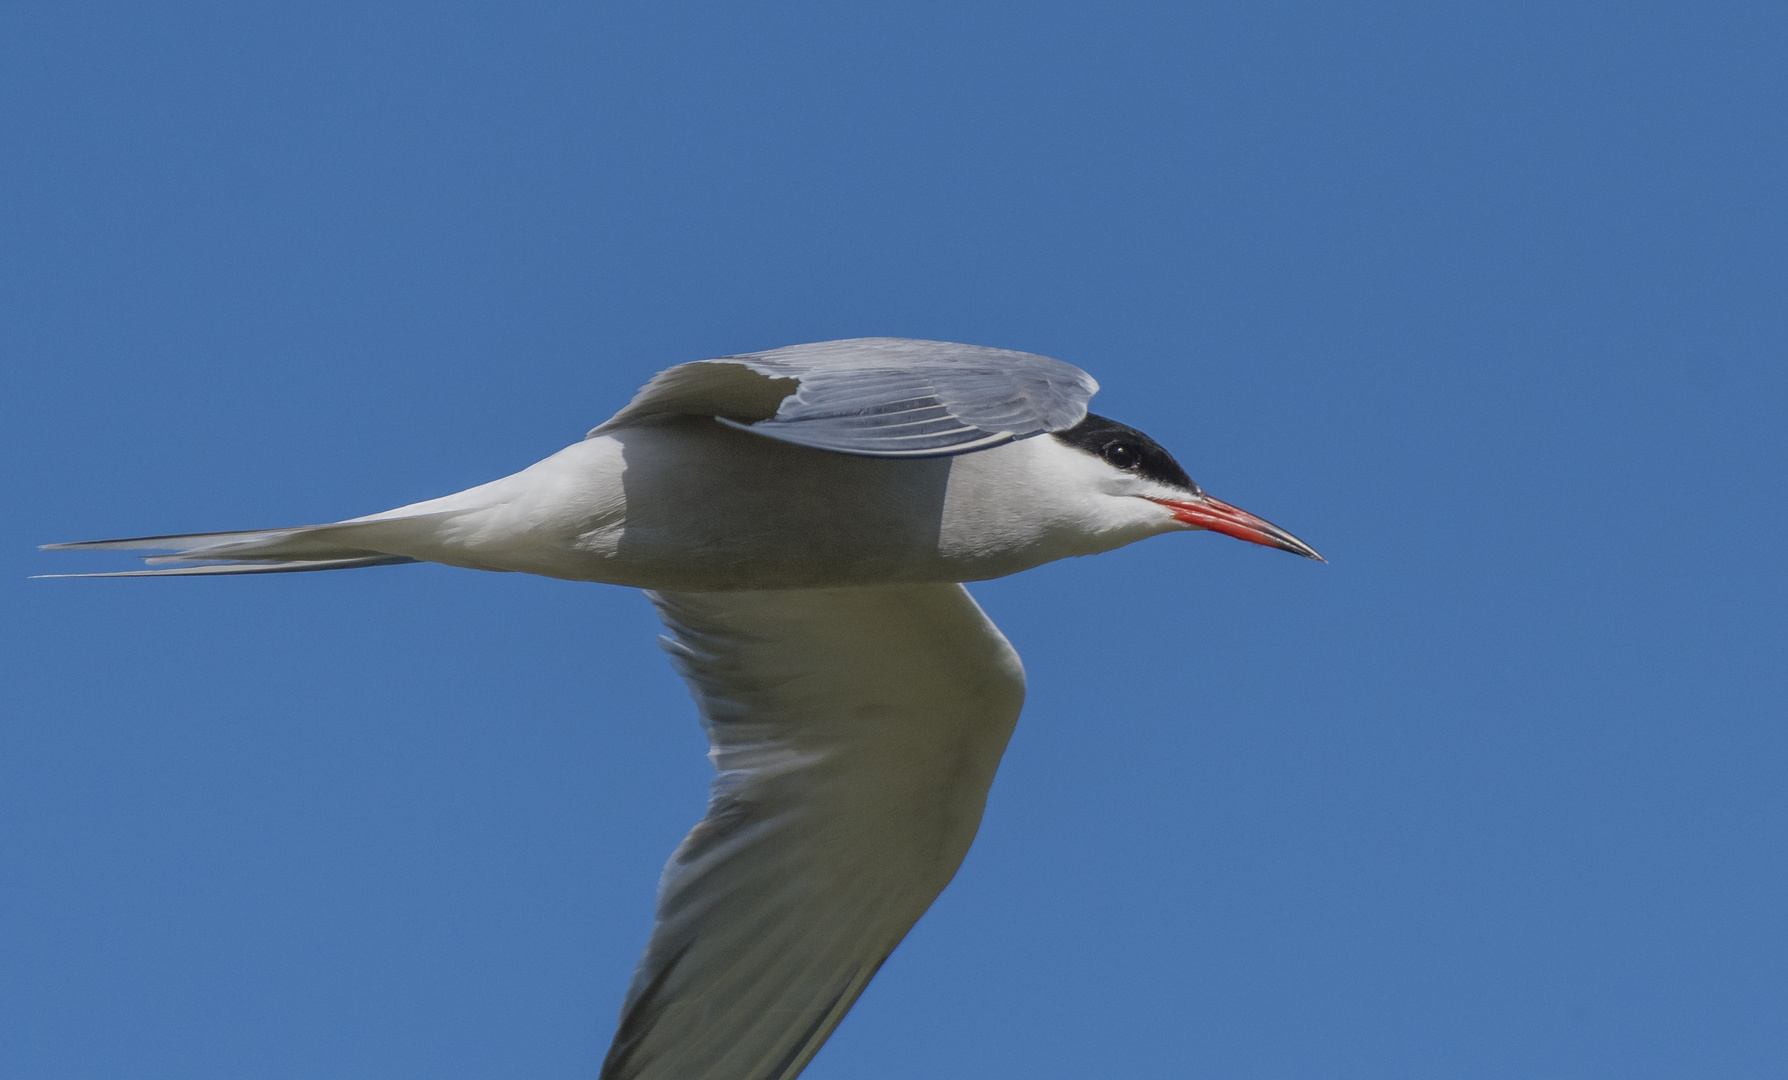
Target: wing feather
854, 733
878, 397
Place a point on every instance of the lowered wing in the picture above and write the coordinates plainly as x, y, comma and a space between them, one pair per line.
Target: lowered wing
879, 397
855, 733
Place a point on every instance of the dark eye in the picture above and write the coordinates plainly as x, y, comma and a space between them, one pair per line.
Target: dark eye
1122, 455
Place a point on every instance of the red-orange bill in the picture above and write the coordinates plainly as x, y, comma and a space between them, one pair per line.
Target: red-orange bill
1204, 512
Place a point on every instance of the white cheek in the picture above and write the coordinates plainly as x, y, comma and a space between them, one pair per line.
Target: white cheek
1037, 500
1132, 518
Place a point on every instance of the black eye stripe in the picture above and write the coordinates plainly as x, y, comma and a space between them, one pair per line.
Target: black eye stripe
1109, 440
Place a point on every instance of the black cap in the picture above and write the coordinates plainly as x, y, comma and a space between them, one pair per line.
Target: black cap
1123, 447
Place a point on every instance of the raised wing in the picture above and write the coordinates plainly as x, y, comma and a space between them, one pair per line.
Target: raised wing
879, 397
854, 733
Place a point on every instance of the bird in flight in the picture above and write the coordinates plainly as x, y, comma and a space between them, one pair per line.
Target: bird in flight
803, 519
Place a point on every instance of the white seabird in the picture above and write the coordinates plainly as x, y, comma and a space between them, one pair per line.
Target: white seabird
803, 519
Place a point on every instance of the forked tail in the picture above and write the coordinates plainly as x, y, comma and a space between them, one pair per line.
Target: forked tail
339, 546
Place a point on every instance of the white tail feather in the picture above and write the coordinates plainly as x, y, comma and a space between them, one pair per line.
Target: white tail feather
293, 567
336, 546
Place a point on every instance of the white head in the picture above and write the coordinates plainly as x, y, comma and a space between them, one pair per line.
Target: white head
1132, 466
1096, 486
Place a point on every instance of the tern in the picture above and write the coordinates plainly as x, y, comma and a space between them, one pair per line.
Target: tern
803, 519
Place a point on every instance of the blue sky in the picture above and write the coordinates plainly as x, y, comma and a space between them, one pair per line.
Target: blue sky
1484, 301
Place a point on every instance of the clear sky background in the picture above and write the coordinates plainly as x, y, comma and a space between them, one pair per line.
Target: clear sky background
1487, 302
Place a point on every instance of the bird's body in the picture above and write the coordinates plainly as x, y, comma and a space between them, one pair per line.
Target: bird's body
803, 519
685, 503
